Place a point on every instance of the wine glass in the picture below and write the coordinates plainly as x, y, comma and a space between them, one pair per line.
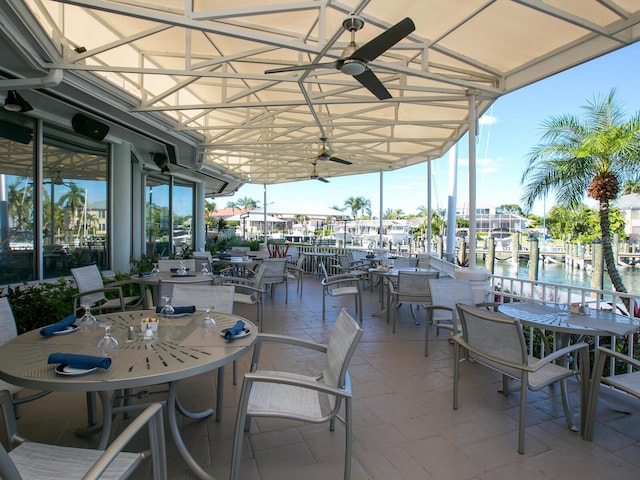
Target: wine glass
108, 345
208, 323
182, 268
167, 309
87, 322
205, 268
155, 270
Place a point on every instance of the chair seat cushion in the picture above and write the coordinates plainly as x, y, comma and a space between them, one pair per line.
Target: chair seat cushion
245, 298
289, 400
36, 460
627, 382
337, 291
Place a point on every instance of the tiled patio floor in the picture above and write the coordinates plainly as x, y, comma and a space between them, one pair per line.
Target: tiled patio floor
404, 425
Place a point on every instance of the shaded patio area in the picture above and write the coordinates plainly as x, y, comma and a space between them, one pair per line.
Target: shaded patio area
404, 424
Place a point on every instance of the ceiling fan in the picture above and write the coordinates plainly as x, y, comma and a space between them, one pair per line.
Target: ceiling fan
354, 59
314, 175
327, 154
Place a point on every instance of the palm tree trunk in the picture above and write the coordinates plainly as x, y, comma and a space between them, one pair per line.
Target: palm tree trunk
607, 249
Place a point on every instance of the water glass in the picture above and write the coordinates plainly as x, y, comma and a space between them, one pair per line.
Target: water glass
87, 323
167, 309
155, 270
108, 345
208, 324
205, 268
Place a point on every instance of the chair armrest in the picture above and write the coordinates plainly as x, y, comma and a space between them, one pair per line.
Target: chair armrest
439, 307
282, 339
494, 305
151, 416
239, 281
558, 354
618, 356
340, 278
117, 290
271, 377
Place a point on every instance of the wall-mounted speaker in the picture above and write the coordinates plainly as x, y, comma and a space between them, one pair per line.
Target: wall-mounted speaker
89, 127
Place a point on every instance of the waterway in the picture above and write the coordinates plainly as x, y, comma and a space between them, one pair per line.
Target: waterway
557, 273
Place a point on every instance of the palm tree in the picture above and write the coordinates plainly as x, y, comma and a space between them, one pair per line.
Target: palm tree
20, 202
355, 204
247, 203
232, 206
73, 201
594, 156
631, 186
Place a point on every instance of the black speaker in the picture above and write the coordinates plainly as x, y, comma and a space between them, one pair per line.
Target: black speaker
89, 127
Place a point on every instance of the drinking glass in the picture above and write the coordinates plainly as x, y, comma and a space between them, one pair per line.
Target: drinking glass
208, 323
87, 322
205, 268
182, 268
167, 309
155, 270
108, 346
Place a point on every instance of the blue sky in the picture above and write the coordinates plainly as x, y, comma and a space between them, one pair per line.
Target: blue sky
503, 145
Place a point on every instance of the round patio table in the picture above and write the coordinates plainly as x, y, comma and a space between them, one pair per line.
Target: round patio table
177, 351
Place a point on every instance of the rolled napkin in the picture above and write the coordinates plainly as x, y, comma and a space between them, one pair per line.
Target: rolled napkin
177, 275
75, 360
144, 274
176, 270
235, 330
58, 326
179, 310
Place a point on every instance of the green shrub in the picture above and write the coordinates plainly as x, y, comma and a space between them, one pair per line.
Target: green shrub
38, 305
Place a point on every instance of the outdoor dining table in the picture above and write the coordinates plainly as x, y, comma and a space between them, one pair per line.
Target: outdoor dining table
563, 321
177, 351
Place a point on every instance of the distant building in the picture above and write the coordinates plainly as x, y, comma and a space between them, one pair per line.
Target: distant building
487, 220
629, 206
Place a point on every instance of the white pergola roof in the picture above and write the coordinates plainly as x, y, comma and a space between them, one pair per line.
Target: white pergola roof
196, 67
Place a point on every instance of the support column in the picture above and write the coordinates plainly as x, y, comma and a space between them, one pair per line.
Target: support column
123, 201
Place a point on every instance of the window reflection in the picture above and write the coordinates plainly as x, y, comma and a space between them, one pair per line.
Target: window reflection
73, 195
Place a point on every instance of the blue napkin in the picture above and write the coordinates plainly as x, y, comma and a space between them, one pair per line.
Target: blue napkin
179, 310
235, 330
175, 270
58, 326
144, 274
75, 360
177, 275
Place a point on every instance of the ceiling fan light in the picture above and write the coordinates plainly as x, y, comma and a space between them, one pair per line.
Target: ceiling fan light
353, 66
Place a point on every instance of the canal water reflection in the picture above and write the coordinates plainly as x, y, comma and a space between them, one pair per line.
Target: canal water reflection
557, 273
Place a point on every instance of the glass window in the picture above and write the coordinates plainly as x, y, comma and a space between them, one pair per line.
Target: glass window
73, 195
157, 219
169, 207
17, 152
182, 215
74, 200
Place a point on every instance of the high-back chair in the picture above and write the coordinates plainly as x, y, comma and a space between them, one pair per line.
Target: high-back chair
627, 382
412, 289
9, 331
165, 286
275, 272
218, 297
446, 293
92, 290
296, 272
200, 258
339, 286
248, 291
35, 461
312, 399
497, 341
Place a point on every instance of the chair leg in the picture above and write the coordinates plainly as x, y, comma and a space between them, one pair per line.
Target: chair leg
324, 296
235, 373
523, 406
241, 418
349, 438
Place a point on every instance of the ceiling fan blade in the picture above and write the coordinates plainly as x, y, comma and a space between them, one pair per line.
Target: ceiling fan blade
323, 179
339, 160
372, 83
383, 42
310, 66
